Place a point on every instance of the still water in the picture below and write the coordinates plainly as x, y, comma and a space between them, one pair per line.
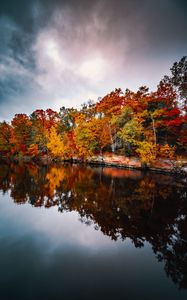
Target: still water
76, 232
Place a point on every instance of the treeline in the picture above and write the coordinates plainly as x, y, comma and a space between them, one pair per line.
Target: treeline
145, 124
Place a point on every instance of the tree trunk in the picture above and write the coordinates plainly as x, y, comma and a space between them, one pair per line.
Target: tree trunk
113, 146
154, 131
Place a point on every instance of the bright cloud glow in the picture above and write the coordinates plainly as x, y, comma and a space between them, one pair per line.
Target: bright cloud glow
52, 51
93, 69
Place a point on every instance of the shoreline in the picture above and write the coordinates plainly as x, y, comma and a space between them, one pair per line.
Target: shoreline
162, 166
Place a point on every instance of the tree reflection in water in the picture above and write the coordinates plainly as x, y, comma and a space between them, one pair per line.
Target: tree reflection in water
120, 203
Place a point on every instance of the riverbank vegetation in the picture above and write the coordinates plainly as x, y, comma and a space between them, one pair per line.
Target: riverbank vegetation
148, 125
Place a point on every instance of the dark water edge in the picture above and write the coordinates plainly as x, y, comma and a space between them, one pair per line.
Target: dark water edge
171, 168
78, 232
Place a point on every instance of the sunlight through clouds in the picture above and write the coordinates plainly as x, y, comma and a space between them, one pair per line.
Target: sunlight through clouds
94, 69
52, 51
55, 54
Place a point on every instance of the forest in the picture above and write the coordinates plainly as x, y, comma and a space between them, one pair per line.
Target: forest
144, 124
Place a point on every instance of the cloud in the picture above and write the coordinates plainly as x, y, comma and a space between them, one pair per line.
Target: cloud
62, 53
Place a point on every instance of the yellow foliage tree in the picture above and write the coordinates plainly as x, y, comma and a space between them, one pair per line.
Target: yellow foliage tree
55, 143
131, 132
91, 137
146, 151
167, 151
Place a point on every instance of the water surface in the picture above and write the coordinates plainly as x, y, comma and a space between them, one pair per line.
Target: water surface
76, 232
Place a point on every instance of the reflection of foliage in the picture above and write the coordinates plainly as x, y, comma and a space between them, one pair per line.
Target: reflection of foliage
122, 204
54, 178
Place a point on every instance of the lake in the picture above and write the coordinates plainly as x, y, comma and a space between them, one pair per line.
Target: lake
79, 232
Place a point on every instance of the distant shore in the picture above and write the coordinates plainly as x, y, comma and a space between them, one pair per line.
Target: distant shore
110, 160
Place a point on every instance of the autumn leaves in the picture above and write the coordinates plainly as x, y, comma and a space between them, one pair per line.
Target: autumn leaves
144, 124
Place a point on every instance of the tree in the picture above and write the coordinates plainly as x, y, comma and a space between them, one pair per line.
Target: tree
21, 138
85, 139
42, 121
67, 118
131, 132
178, 80
6, 132
55, 143
146, 151
91, 136
111, 104
88, 109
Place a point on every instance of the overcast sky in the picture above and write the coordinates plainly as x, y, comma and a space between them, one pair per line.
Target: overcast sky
62, 53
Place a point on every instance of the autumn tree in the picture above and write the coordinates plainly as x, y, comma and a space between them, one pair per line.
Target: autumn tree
107, 108
55, 143
85, 139
128, 129
67, 118
42, 121
168, 118
6, 133
111, 104
21, 137
91, 136
88, 109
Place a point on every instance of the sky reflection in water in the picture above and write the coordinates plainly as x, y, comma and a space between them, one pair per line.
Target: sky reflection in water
95, 233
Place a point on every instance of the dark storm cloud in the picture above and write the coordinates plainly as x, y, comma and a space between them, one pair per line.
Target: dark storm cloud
55, 53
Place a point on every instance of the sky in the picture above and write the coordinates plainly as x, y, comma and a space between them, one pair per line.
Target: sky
56, 53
